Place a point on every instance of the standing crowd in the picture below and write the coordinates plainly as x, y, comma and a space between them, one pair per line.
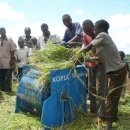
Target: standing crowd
107, 70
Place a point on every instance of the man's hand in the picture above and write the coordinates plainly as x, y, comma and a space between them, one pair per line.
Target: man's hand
93, 59
63, 43
18, 60
12, 64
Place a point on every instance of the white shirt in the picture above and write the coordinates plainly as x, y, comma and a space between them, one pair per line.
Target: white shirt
41, 43
21, 55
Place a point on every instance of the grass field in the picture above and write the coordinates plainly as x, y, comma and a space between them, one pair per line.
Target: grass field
27, 121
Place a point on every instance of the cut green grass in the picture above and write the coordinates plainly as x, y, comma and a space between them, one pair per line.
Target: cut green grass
27, 121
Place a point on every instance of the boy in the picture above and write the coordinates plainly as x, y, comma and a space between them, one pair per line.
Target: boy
96, 70
33, 42
108, 54
27, 37
122, 55
21, 56
73, 31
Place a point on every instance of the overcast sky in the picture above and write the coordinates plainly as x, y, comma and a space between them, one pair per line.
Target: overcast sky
16, 15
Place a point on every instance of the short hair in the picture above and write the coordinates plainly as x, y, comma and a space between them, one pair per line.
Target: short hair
2, 28
88, 22
122, 53
103, 24
66, 16
27, 29
20, 39
44, 25
34, 40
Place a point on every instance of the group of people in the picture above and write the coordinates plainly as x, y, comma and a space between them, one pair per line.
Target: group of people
12, 55
106, 70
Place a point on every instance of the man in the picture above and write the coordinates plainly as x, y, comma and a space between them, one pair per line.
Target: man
42, 40
7, 47
122, 55
74, 30
27, 37
97, 79
116, 70
46, 36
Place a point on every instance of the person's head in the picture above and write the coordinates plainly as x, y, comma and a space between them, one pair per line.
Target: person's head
67, 21
27, 31
44, 28
21, 42
122, 54
2, 32
33, 41
88, 27
101, 26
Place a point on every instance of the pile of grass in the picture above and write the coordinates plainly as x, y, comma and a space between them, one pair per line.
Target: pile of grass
55, 57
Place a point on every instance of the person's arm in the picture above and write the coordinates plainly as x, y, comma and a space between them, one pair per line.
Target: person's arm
75, 38
86, 48
65, 38
16, 56
94, 43
12, 50
39, 43
78, 33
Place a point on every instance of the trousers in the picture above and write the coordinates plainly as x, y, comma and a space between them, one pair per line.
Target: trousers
116, 82
97, 85
6, 80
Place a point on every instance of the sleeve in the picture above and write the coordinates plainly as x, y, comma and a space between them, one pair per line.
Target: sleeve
16, 54
12, 45
65, 38
98, 41
38, 43
78, 30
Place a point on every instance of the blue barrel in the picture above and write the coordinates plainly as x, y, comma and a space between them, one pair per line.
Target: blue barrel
30, 94
68, 94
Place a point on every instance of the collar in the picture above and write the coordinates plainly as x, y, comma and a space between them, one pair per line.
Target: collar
71, 27
4, 38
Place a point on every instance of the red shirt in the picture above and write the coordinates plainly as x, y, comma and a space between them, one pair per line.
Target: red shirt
86, 40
